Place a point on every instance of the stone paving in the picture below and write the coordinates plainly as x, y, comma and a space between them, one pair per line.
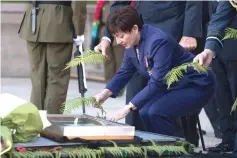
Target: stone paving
21, 87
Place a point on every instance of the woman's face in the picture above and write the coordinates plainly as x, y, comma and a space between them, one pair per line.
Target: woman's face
128, 39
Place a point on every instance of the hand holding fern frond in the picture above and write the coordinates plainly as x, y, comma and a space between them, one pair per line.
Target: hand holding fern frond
71, 105
102, 97
205, 58
103, 47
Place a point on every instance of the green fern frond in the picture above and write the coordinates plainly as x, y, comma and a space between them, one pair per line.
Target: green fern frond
29, 154
132, 151
83, 152
230, 33
187, 146
176, 73
160, 150
71, 105
87, 57
127, 151
234, 106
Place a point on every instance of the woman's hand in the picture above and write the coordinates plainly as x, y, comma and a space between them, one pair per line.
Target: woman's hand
122, 113
102, 97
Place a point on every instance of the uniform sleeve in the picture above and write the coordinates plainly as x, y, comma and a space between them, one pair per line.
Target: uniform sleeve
219, 21
79, 16
122, 77
115, 5
193, 19
162, 52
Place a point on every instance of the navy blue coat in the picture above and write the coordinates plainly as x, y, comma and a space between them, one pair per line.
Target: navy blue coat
219, 21
158, 54
178, 18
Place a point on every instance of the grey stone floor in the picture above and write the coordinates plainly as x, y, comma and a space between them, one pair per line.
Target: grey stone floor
21, 87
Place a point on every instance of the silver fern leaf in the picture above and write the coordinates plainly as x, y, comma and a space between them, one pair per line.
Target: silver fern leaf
86, 58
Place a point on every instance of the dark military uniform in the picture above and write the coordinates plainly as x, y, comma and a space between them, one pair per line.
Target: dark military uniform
225, 68
50, 48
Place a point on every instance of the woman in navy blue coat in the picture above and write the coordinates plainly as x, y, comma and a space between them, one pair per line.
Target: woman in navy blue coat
153, 54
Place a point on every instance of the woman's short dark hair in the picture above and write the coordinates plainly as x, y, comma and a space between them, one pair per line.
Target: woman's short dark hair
123, 19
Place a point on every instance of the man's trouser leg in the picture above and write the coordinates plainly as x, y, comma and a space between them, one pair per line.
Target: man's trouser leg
49, 80
224, 100
214, 116
134, 86
112, 66
58, 55
38, 72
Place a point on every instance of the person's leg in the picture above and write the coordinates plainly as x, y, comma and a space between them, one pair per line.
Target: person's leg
213, 115
135, 85
38, 68
58, 55
110, 66
232, 67
235, 148
192, 134
224, 101
232, 77
177, 103
118, 53
143, 113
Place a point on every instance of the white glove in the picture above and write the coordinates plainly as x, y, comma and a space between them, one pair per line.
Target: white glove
79, 40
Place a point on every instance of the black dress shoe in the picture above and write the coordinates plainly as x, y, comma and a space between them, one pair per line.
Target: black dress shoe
222, 147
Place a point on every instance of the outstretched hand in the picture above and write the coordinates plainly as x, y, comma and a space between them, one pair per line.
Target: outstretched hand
122, 113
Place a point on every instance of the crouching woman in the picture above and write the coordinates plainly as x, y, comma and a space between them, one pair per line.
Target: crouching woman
153, 53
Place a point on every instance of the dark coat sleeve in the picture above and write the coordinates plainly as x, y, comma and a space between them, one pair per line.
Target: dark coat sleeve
193, 19
115, 5
162, 53
122, 77
219, 21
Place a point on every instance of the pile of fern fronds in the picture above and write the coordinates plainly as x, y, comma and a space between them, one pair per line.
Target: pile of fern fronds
176, 73
178, 149
86, 58
71, 105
